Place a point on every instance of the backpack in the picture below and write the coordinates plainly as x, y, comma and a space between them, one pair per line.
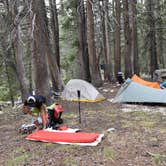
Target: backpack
54, 115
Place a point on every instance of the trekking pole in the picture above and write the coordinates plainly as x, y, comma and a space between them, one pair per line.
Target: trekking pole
79, 94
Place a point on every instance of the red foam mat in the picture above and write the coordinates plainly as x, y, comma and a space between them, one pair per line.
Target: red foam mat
49, 136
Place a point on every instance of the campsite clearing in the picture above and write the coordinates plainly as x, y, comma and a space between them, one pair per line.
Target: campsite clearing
139, 132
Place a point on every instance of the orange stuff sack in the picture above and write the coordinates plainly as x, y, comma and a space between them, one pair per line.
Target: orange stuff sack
137, 79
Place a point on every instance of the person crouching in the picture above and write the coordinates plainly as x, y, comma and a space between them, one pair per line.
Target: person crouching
35, 106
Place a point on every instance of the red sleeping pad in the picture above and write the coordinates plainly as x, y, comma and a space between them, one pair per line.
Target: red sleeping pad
50, 136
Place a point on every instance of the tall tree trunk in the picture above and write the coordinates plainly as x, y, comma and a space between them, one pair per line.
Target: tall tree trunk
18, 48
152, 37
135, 38
93, 61
160, 35
117, 47
82, 37
40, 50
106, 37
127, 34
55, 30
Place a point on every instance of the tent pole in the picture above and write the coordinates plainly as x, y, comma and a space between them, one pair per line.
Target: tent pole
79, 107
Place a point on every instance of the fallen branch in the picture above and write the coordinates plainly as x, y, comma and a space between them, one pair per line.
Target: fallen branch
153, 154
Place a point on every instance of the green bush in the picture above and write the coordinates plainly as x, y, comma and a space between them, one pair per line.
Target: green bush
4, 93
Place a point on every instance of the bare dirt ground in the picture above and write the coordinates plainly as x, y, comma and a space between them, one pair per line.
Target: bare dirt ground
139, 138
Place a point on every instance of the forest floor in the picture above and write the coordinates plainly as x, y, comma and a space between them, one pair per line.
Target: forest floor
139, 138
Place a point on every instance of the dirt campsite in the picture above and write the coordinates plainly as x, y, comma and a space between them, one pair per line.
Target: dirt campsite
134, 135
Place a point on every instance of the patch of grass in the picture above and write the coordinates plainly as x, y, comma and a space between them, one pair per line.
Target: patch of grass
163, 130
148, 116
69, 115
110, 136
141, 115
17, 157
69, 149
127, 124
130, 124
109, 153
47, 145
158, 159
17, 160
68, 161
148, 124
153, 139
91, 112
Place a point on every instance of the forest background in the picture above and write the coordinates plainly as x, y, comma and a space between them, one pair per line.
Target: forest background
46, 43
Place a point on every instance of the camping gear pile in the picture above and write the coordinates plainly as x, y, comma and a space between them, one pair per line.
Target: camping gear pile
27, 128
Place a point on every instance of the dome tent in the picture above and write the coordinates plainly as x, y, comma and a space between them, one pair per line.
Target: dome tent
88, 93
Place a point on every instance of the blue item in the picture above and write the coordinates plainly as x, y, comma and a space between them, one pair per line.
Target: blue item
163, 85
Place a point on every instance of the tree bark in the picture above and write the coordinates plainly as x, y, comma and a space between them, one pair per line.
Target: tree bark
106, 43
160, 35
55, 30
18, 48
40, 50
135, 38
127, 35
82, 37
93, 61
117, 47
152, 37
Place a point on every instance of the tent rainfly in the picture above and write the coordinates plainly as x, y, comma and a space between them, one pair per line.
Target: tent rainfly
137, 79
133, 92
87, 91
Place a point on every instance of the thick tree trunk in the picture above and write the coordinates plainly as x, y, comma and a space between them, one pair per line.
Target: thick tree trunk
40, 50
93, 61
135, 38
82, 37
127, 34
18, 48
117, 47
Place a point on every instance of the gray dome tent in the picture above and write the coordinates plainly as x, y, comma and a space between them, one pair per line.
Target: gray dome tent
87, 91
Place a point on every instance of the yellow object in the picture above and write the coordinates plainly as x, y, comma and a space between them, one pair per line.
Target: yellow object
35, 111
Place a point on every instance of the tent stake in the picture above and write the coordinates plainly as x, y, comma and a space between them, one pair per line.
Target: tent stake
79, 109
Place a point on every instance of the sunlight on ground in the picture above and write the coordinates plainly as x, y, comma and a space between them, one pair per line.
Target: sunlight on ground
132, 108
